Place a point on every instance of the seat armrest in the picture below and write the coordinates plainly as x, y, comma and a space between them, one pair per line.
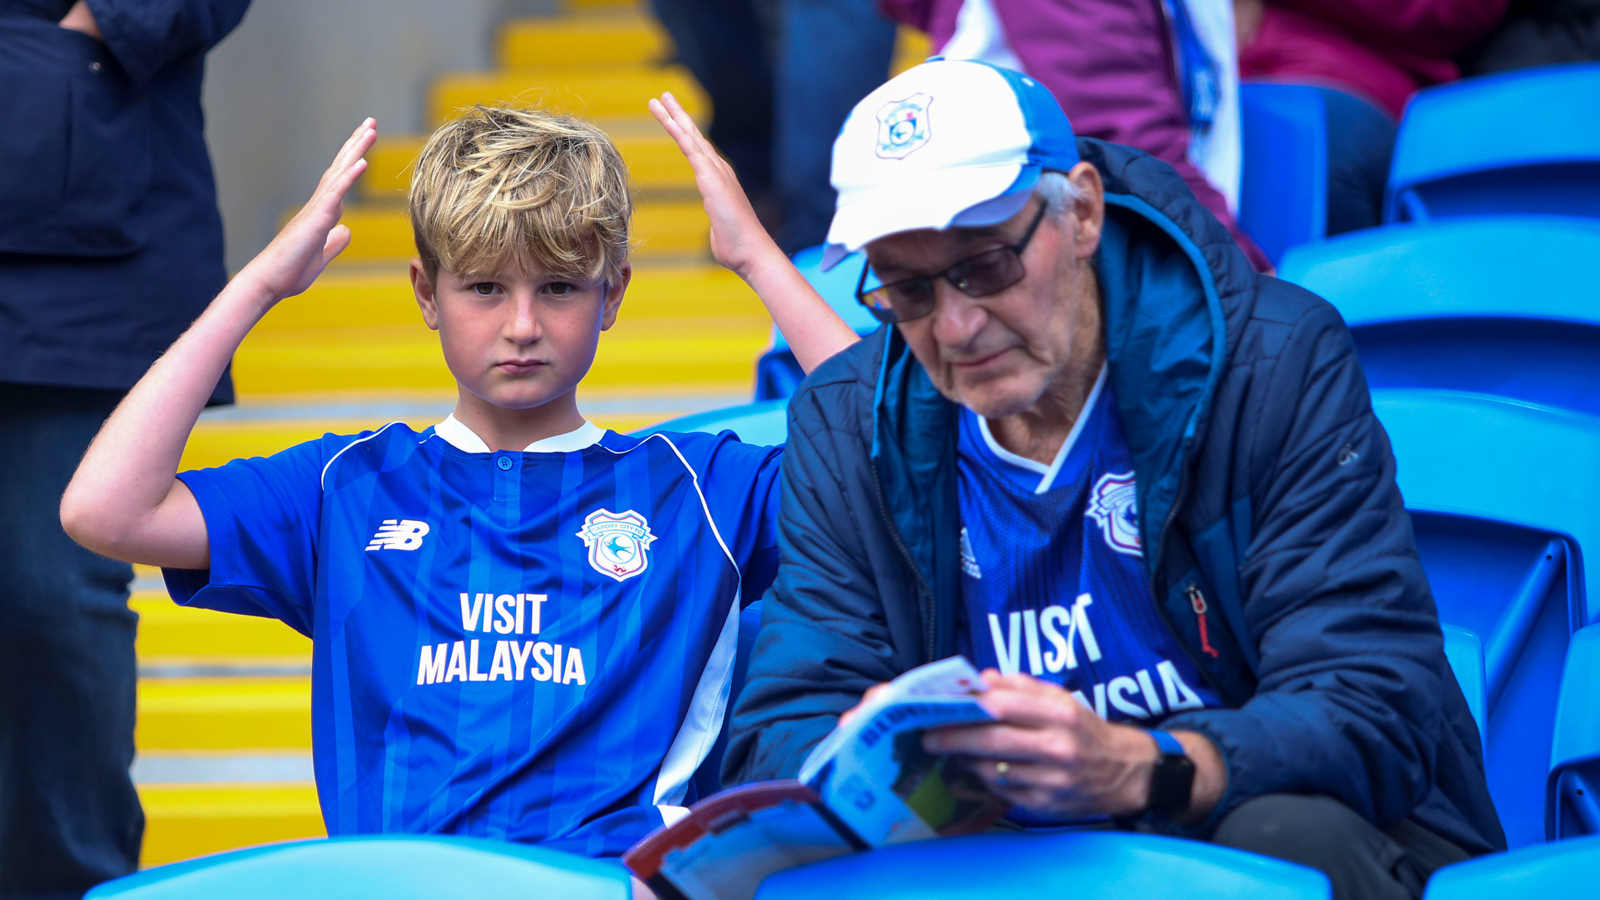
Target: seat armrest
1572, 794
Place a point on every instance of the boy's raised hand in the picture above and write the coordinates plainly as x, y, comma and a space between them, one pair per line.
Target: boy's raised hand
737, 236
314, 236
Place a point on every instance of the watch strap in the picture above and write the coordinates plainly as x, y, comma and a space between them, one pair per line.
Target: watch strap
1172, 779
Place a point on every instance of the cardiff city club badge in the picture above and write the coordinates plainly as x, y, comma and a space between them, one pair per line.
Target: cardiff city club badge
617, 542
1113, 506
903, 126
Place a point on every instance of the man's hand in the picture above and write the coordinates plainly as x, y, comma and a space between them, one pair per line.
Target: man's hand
79, 18
737, 236
314, 236
1050, 754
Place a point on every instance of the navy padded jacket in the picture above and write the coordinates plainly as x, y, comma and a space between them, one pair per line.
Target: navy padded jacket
1264, 480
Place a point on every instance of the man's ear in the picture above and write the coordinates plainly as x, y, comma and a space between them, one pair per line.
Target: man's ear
613, 300
1088, 213
422, 287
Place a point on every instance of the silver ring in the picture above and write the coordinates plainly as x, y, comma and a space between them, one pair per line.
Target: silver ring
1000, 770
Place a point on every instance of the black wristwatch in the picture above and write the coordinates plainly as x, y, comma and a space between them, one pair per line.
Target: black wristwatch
1172, 780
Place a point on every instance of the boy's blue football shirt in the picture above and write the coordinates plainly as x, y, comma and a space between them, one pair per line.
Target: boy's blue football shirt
534, 646
1053, 575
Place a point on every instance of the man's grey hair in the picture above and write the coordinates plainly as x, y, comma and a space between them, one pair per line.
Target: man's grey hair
1059, 194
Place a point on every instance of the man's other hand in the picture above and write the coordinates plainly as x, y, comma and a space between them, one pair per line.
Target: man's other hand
79, 18
1052, 755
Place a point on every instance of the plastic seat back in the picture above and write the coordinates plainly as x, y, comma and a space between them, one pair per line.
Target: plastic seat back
1520, 142
1283, 187
1495, 305
1553, 870
764, 422
1490, 485
777, 372
386, 867
1071, 864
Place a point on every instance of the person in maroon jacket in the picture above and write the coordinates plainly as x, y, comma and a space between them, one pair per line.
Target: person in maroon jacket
1111, 64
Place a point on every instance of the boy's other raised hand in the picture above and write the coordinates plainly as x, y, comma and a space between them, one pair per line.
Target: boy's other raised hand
737, 236
314, 236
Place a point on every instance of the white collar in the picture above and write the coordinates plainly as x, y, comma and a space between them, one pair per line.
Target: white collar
466, 440
1048, 472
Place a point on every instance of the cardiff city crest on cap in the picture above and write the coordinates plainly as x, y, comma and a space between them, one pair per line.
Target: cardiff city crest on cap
903, 126
617, 542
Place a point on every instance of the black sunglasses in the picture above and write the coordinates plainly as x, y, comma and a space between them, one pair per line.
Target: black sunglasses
989, 272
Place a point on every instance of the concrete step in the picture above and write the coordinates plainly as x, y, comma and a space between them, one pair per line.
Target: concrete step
589, 92
186, 821
667, 228
225, 713
597, 38
176, 637
654, 163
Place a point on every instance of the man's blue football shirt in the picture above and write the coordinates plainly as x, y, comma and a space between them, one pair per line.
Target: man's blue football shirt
533, 646
1054, 581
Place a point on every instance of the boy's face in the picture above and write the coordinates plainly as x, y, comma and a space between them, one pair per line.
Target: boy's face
517, 339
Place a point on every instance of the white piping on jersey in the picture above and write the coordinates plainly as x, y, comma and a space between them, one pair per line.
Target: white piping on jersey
459, 436
1048, 472
671, 815
703, 722
322, 480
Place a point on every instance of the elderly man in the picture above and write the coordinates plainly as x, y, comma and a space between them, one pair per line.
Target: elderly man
1097, 453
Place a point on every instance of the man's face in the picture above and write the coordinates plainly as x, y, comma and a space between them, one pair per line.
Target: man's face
999, 355
517, 339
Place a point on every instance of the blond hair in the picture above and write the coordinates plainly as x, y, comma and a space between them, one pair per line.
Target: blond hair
501, 187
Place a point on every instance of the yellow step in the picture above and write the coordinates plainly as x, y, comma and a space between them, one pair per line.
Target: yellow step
664, 228
587, 92
223, 713
583, 40
653, 160
185, 821
911, 48
383, 296
695, 354
170, 634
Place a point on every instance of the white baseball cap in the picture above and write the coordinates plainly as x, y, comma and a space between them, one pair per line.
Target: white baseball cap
947, 143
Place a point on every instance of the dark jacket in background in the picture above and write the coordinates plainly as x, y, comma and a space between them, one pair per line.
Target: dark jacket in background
110, 238
1538, 33
1264, 480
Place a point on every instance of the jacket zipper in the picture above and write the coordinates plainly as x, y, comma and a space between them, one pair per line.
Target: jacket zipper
1158, 591
929, 628
1197, 600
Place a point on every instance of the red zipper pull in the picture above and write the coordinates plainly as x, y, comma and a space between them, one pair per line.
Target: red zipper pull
1197, 600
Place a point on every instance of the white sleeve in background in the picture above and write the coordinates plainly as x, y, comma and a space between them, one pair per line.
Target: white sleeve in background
979, 37
1217, 151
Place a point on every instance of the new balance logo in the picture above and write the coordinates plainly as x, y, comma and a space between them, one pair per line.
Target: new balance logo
399, 534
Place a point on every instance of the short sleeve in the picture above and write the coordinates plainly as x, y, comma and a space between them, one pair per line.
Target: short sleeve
743, 492
262, 519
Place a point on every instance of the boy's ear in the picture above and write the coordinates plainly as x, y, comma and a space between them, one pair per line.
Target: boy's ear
613, 301
422, 287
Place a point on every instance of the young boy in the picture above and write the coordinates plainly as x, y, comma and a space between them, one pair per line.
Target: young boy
523, 626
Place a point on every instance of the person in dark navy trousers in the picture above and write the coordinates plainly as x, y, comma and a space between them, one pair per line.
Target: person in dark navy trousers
110, 245
1137, 482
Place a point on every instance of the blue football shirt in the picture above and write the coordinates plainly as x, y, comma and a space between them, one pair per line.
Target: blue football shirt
1054, 582
534, 646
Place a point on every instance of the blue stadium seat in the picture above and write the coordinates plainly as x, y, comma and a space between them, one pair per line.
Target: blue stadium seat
1553, 870
1496, 305
389, 867
1490, 484
1283, 188
777, 372
1058, 864
1572, 804
764, 422
1520, 142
